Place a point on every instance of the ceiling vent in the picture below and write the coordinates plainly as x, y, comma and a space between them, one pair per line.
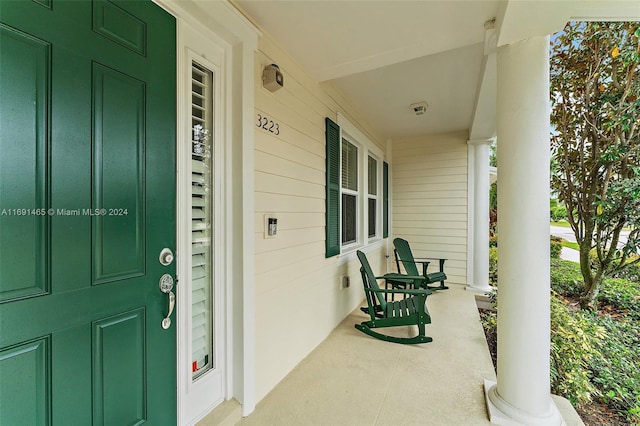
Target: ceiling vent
419, 108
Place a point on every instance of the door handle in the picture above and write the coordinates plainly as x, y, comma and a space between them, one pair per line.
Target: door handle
166, 285
166, 323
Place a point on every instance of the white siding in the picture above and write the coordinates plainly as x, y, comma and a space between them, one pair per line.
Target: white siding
429, 192
298, 299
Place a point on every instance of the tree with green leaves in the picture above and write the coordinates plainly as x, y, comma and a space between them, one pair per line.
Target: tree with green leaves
595, 101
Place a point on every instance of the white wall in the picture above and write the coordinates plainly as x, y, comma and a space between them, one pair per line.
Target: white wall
429, 190
298, 299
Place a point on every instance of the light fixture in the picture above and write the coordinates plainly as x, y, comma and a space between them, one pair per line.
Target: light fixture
272, 78
419, 108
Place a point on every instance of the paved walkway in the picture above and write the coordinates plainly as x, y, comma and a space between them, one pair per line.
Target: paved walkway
566, 233
562, 232
570, 254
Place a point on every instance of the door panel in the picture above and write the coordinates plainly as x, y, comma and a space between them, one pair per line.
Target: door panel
118, 175
25, 369
119, 26
118, 372
24, 118
87, 202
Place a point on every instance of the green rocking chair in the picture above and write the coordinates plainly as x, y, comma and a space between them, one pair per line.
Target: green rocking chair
403, 255
412, 310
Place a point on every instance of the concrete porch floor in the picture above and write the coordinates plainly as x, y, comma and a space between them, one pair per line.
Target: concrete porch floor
353, 379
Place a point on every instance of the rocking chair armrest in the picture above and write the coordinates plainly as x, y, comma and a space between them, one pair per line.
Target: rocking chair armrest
411, 292
418, 261
425, 264
392, 276
427, 260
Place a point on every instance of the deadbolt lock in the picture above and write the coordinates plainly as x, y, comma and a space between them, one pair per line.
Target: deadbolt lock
166, 257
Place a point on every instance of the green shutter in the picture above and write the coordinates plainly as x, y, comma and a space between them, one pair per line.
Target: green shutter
332, 226
385, 200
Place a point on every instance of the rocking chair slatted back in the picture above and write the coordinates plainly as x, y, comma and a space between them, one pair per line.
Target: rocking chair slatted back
370, 282
404, 255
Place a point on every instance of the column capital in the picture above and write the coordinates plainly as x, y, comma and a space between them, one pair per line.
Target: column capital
482, 141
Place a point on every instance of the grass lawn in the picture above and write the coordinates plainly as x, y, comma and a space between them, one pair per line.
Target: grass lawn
563, 224
570, 244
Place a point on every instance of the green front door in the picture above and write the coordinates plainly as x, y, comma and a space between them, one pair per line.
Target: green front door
87, 203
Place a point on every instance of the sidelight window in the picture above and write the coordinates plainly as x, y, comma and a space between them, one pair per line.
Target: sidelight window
201, 217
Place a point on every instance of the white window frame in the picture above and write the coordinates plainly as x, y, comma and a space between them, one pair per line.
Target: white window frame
376, 197
196, 397
356, 193
366, 149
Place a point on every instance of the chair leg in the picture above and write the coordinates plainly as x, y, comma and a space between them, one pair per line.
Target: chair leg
440, 287
421, 328
377, 310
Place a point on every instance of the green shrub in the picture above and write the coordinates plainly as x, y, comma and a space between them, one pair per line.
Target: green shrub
621, 294
489, 321
574, 347
493, 240
566, 278
493, 266
555, 249
631, 272
617, 371
558, 213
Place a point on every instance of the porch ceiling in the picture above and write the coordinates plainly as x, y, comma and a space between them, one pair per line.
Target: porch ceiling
386, 55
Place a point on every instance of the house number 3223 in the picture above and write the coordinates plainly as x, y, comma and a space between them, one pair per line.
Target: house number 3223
268, 124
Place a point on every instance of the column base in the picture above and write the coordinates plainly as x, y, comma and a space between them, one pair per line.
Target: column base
479, 289
505, 414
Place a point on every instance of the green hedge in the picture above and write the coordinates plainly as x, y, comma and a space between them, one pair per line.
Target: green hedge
555, 247
614, 368
566, 278
558, 213
631, 272
616, 372
621, 294
575, 340
493, 266
593, 355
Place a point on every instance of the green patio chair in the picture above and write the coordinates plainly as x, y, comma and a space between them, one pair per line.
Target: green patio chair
412, 310
403, 255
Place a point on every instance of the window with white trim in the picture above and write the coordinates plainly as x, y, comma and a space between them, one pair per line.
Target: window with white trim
372, 197
201, 213
349, 193
360, 177
357, 190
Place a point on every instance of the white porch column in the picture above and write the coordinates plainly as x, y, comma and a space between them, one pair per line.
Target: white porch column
481, 185
522, 394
